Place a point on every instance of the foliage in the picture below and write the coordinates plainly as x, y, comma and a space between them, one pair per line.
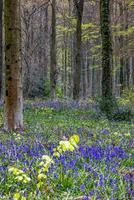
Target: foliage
113, 109
127, 97
35, 165
108, 106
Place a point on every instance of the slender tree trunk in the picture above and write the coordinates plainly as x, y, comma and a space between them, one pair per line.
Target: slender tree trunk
77, 70
127, 63
45, 57
70, 54
1, 44
65, 65
13, 68
84, 73
106, 48
93, 78
133, 71
53, 70
121, 42
62, 71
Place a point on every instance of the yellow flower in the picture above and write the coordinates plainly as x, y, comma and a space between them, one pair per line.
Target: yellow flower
56, 154
11, 169
41, 163
54, 149
23, 198
127, 134
66, 146
74, 138
115, 133
39, 185
71, 147
41, 176
16, 196
46, 167
26, 179
59, 149
46, 158
19, 178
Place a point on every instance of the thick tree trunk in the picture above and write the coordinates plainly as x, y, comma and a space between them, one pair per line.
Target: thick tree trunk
1, 44
77, 68
53, 70
106, 48
108, 104
13, 68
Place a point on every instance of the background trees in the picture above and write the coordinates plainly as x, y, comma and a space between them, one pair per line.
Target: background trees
37, 48
68, 61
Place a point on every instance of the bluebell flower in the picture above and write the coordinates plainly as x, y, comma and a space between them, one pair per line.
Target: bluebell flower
85, 198
91, 192
105, 131
99, 197
82, 187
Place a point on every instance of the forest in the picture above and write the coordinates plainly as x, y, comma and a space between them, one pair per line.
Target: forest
66, 99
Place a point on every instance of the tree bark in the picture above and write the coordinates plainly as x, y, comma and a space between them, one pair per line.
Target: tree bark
121, 42
1, 44
53, 70
106, 48
13, 68
79, 5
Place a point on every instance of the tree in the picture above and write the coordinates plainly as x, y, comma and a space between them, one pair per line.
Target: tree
107, 105
79, 5
106, 48
13, 68
1, 44
53, 70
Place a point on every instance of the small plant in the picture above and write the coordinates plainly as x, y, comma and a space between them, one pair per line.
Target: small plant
108, 106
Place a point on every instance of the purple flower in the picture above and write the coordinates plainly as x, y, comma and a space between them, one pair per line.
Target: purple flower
99, 197
82, 187
105, 131
85, 198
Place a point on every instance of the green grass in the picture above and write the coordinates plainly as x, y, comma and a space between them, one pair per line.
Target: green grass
48, 126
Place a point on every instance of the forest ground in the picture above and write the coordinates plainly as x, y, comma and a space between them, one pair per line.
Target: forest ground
108, 144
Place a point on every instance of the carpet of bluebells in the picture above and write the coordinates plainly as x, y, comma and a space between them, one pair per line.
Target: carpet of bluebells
100, 166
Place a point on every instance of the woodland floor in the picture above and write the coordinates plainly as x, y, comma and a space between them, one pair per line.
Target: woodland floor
101, 168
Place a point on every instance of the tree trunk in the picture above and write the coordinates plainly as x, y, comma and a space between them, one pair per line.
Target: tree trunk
1, 44
53, 70
77, 68
13, 68
122, 56
106, 48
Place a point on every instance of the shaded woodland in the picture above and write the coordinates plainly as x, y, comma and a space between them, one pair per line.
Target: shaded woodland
39, 30
66, 99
